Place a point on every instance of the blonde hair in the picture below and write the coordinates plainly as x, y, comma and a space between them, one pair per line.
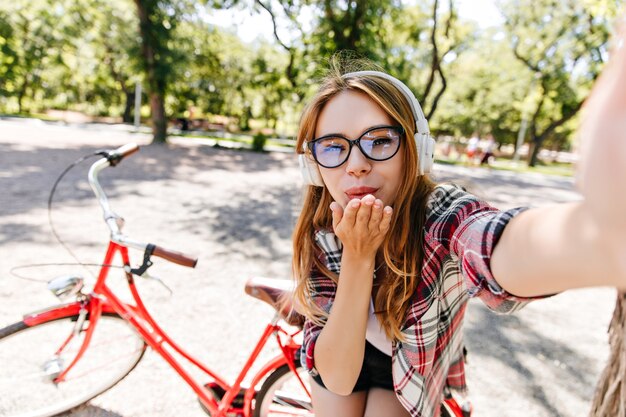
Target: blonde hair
402, 247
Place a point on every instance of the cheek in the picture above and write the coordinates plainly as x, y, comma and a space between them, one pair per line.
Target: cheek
394, 178
331, 181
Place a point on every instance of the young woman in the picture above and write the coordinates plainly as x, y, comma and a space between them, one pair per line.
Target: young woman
386, 260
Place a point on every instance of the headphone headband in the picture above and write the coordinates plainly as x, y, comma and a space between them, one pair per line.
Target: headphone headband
421, 123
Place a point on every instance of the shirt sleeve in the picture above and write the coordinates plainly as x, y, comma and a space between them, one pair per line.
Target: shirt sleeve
471, 229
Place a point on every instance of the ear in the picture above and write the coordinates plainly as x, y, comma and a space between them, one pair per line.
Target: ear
310, 171
425, 152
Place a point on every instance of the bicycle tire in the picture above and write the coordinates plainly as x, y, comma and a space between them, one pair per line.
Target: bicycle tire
299, 402
27, 391
446, 411
282, 394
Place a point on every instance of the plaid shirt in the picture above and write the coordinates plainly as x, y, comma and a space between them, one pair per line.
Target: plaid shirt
460, 234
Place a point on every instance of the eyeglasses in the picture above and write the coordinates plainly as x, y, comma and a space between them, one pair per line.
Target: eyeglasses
377, 143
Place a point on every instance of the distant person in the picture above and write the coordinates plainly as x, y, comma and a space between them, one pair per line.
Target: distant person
488, 149
472, 147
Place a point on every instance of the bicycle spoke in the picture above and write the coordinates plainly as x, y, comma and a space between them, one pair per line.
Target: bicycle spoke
28, 390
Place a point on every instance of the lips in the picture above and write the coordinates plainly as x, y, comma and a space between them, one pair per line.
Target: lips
359, 192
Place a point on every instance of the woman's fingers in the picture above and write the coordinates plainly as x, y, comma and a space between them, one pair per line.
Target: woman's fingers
376, 216
365, 211
366, 220
337, 211
386, 219
350, 213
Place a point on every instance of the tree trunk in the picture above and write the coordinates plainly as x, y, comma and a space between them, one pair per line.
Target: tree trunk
155, 82
610, 396
127, 116
20, 96
159, 122
533, 153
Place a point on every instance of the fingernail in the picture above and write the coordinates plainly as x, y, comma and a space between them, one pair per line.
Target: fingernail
388, 210
355, 203
332, 206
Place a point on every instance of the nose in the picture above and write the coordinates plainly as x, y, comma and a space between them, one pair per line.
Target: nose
357, 164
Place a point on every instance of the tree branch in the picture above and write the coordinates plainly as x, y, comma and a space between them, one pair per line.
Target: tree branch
271, 13
435, 55
444, 84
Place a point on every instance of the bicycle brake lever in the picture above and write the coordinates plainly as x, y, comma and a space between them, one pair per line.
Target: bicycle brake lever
146, 275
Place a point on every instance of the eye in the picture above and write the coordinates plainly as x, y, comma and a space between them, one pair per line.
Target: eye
331, 145
381, 141
381, 138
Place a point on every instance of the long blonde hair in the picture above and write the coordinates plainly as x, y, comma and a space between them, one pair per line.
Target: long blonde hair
402, 248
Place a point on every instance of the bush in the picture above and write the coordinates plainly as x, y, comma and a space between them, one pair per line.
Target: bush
258, 142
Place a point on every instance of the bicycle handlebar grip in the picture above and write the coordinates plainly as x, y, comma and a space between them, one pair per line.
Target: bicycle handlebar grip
176, 257
116, 156
126, 150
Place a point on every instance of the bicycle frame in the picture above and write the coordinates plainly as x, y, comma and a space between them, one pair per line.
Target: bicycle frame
103, 300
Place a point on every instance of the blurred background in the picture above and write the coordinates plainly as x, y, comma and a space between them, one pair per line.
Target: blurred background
241, 70
501, 81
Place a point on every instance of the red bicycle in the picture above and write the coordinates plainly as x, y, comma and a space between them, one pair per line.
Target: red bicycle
63, 356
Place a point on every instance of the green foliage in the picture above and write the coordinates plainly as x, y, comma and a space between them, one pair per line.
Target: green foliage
488, 92
8, 54
88, 56
564, 45
258, 142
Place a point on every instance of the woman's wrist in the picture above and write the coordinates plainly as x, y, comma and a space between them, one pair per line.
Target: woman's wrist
362, 261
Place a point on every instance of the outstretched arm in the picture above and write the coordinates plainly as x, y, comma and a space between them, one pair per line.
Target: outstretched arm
581, 244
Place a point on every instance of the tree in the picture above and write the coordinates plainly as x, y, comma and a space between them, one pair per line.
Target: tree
423, 42
157, 20
118, 50
563, 44
34, 33
488, 92
8, 54
610, 397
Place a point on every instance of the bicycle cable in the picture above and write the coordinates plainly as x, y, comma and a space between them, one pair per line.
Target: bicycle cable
51, 196
26, 278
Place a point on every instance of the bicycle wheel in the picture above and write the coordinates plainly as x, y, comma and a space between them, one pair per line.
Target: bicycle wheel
450, 408
282, 394
446, 411
29, 364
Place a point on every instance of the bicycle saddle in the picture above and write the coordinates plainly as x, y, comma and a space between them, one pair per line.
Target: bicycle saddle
277, 293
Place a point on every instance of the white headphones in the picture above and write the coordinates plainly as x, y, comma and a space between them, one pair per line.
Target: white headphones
424, 142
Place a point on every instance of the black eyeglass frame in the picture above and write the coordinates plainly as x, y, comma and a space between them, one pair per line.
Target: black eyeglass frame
352, 142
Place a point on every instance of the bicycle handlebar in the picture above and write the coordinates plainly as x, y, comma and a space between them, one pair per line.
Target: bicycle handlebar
175, 256
113, 158
116, 156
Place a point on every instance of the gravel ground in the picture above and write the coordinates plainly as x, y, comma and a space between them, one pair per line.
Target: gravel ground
236, 210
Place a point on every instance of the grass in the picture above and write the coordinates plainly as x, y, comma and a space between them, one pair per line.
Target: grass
505, 164
40, 116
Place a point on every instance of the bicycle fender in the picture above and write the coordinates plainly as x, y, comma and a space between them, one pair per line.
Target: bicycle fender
58, 311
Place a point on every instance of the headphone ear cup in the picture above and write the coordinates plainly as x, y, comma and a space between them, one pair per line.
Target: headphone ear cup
310, 171
425, 152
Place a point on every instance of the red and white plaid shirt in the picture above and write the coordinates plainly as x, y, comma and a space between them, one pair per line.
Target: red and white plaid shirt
461, 232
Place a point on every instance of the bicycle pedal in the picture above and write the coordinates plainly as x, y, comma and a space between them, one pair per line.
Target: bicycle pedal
236, 406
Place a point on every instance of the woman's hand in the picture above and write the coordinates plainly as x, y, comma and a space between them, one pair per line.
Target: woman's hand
362, 225
601, 175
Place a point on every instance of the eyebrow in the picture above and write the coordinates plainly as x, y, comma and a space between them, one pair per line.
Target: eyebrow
343, 135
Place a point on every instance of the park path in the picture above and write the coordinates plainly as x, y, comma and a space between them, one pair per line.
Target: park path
236, 210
